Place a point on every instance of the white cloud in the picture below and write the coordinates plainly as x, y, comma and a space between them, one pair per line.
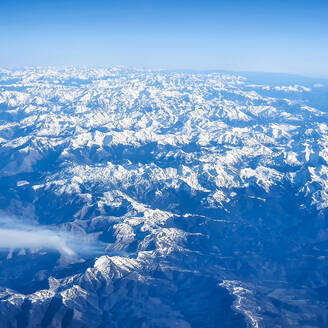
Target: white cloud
292, 88
15, 235
318, 85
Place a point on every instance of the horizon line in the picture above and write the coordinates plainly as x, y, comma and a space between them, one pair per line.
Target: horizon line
154, 69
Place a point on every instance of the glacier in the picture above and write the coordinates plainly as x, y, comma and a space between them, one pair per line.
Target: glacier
156, 198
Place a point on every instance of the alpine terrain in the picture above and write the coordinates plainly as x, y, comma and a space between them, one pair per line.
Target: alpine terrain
154, 198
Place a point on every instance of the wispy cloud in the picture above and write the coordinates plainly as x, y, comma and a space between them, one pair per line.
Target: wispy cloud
15, 235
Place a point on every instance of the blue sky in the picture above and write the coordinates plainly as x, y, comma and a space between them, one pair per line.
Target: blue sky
272, 36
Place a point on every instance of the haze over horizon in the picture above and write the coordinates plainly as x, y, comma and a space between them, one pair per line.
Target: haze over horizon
275, 36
